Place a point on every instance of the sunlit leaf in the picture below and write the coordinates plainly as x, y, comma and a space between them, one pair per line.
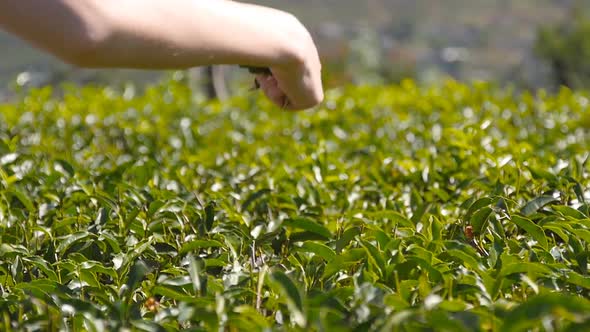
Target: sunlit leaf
479, 219
292, 295
533, 229
319, 249
547, 306
199, 244
308, 225
136, 274
536, 204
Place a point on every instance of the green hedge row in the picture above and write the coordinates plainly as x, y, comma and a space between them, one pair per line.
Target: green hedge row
448, 208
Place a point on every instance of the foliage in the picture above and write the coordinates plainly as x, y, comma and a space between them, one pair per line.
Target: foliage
566, 48
450, 208
365, 60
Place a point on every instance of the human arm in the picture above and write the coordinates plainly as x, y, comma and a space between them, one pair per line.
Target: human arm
174, 34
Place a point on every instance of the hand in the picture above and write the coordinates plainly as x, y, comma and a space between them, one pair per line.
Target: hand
270, 86
295, 84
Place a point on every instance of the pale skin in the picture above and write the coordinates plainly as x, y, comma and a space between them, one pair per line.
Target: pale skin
170, 34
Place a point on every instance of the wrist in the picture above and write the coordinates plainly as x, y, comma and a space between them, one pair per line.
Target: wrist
295, 44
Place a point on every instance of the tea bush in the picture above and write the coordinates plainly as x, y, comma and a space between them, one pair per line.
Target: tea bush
397, 208
566, 48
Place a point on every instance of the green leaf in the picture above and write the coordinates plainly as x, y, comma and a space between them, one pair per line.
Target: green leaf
195, 268
479, 220
253, 197
305, 237
148, 326
70, 240
558, 231
374, 256
105, 200
318, 249
542, 174
97, 267
394, 216
292, 295
22, 197
136, 274
569, 212
468, 260
444, 322
434, 274
199, 244
64, 167
210, 215
582, 234
525, 267
396, 302
155, 206
43, 266
536, 204
343, 261
12, 250
478, 205
89, 278
308, 225
45, 285
172, 293
577, 279
347, 236
532, 229
250, 314
530, 314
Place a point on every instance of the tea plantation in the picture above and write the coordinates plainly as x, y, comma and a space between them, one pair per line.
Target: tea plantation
399, 208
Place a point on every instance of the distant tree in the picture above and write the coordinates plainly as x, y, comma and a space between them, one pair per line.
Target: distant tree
566, 48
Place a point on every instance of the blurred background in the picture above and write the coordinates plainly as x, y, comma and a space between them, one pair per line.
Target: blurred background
524, 43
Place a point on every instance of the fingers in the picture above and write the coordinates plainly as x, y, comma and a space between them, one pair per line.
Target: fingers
269, 85
275, 93
304, 89
296, 82
301, 79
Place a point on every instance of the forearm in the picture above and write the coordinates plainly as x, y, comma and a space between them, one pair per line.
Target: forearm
184, 33
63, 28
154, 33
